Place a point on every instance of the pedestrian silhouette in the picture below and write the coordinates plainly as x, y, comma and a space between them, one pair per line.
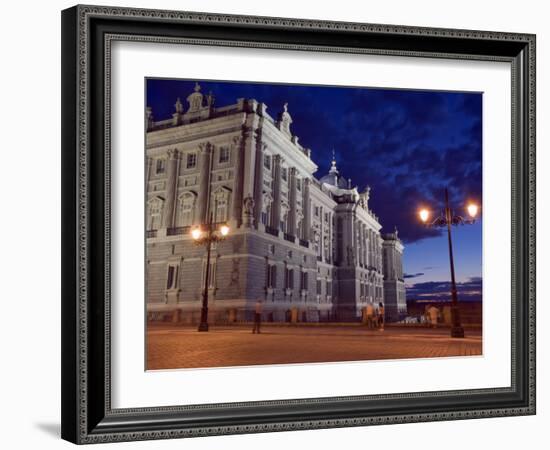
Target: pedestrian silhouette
257, 317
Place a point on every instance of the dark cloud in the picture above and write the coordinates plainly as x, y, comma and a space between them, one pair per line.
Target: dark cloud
413, 275
406, 145
470, 290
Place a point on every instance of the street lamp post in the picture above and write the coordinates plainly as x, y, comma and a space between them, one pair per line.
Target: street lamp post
210, 234
447, 219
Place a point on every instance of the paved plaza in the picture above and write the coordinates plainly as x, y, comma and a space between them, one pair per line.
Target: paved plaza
175, 346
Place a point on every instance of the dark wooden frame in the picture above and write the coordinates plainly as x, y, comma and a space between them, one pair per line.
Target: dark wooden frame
87, 32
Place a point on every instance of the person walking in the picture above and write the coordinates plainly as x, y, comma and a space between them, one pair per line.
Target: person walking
257, 317
370, 315
433, 314
381, 316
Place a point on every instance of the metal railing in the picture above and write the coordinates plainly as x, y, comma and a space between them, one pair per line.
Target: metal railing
178, 230
271, 230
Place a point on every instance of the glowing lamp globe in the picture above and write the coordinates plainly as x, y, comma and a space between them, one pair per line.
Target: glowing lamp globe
424, 215
224, 230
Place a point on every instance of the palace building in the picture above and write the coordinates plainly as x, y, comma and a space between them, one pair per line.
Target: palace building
310, 248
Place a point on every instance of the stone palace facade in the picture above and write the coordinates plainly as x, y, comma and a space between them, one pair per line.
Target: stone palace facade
310, 248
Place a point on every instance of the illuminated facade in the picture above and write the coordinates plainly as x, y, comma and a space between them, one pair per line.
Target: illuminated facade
310, 248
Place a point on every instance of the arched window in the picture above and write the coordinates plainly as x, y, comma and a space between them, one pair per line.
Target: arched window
186, 209
155, 207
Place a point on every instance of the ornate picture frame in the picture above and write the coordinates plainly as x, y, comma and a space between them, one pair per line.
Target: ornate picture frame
87, 35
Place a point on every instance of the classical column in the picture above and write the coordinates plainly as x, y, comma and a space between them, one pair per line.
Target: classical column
356, 240
366, 241
358, 243
276, 205
291, 219
172, 169
205, 153
330, 240
395, 265
365, 246
361, 245
369, 249
249, 168
307, 210
375, 249
378, 252
321, 233
259, 180
148, 164
236, 215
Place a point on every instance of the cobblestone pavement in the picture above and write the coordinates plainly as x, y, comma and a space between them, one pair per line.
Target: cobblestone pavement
173, 346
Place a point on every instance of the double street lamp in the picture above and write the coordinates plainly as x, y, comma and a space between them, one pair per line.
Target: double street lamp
206, 235
447, 219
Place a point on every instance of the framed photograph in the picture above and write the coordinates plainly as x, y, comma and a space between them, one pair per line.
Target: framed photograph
280, 224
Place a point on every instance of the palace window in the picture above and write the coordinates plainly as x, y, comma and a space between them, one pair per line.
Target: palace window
319, 287
284, 173
289, 278
186, 209
267, 214
267, 162
304, 281
224, 155
191, 160
271, 275
161, 166
221, 204
211, 274
154, 217
298, 184
220, 214
172, 277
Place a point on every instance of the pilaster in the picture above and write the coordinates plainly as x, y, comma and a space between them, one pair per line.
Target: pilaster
291, 226
276, 206
172, 169
249, 170
306, 205
237, 210
205, 156
259, 178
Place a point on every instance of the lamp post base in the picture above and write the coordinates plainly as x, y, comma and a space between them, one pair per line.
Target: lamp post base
203, 326
457, 332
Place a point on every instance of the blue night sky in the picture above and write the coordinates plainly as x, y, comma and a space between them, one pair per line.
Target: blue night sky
407, 145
